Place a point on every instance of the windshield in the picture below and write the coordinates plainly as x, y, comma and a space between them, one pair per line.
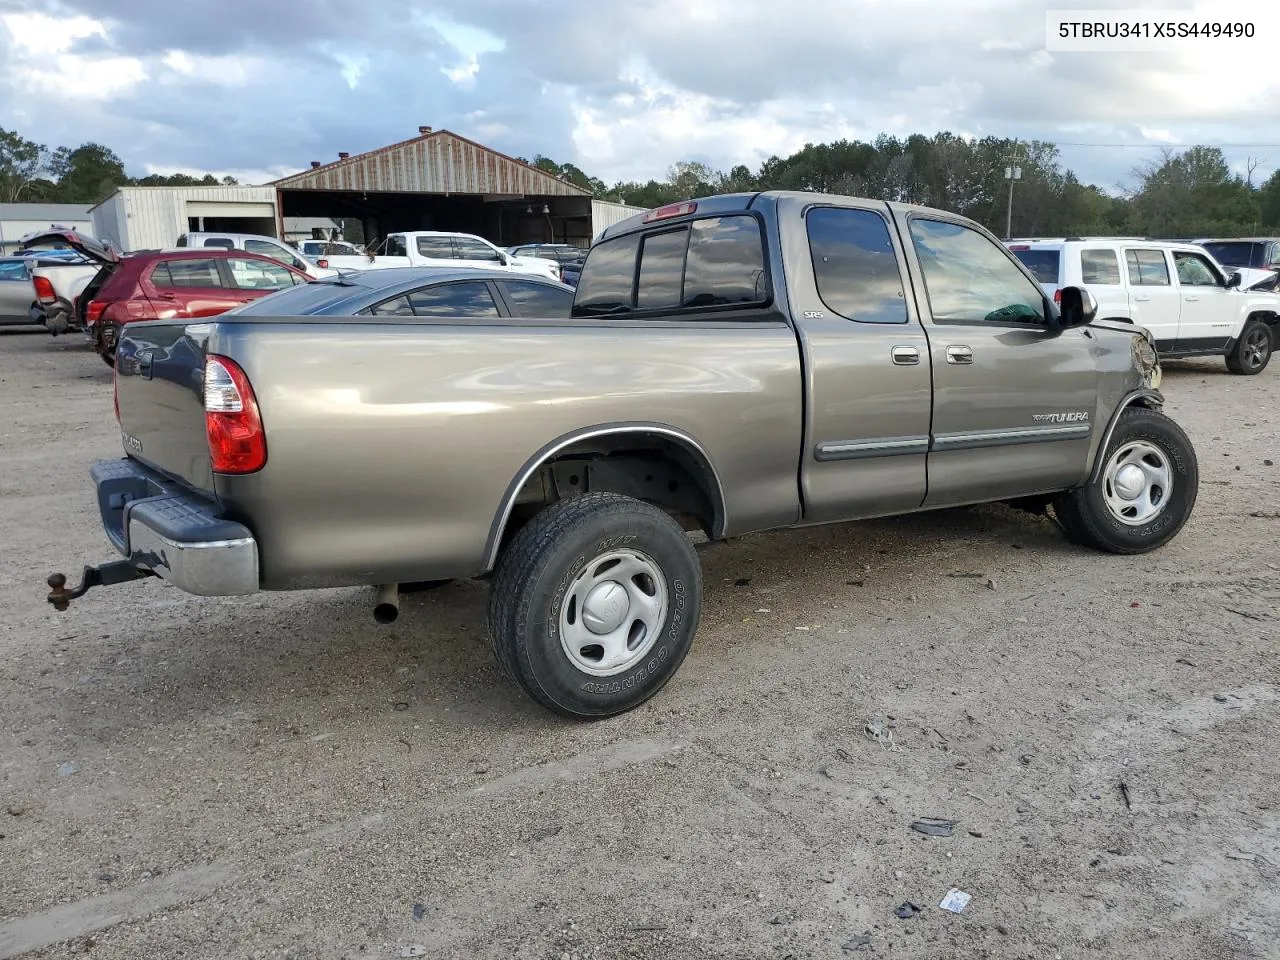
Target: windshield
1238, 253
306, 300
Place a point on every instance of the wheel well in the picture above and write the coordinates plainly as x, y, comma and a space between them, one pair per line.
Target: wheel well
1266, 316
652, 467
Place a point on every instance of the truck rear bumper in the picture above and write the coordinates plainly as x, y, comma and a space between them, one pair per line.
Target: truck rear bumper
162, 527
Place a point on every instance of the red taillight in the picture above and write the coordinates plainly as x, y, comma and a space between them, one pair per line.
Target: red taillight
322, 264
670, 210
1057, 296
44, 289
237, 442
1019, 247
93, 312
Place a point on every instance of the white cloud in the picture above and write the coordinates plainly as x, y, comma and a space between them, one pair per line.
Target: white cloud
464, 73
40, 62
1161, 136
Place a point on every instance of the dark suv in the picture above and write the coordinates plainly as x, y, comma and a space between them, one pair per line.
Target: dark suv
568, 256
1258, 253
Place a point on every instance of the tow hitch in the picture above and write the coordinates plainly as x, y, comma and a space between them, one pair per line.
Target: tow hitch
106, 575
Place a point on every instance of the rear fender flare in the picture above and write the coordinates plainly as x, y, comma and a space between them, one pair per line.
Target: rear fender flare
715, 487
1152, 399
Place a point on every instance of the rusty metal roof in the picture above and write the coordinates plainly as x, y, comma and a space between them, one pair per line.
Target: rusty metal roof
437, 162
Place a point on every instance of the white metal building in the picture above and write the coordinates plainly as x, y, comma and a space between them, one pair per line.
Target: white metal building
605, 214
19, 219
151, 218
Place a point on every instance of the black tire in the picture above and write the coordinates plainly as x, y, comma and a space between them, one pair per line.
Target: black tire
107, 337
1084, 514
1252, 350
537, 579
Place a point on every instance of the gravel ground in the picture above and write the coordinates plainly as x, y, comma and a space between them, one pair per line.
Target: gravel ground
279, 777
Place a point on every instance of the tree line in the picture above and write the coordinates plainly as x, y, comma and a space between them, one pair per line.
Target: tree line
1184, 194
32, 173
1187, 194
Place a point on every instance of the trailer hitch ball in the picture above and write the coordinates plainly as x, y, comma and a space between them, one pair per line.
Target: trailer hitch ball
59, 595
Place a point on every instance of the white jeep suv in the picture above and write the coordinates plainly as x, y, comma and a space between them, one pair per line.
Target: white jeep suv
1191, 305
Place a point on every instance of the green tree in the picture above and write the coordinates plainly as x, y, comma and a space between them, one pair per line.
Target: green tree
86, 174
21, 163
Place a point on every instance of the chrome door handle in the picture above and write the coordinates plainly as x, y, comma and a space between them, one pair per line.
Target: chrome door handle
906, 356
1142, 299
1192, 299
959, 354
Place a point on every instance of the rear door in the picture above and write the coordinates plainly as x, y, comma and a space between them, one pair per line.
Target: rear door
527, 298
867, 361
1014, 403
1154, 302
191, 287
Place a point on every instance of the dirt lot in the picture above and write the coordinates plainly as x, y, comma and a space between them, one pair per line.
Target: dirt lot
278, 777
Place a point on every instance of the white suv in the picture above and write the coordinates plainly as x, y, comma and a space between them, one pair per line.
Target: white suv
255, 243
1191, 305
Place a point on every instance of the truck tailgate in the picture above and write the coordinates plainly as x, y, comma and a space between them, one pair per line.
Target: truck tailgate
160, 391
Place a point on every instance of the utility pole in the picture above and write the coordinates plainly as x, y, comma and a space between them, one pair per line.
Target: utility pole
1013, 175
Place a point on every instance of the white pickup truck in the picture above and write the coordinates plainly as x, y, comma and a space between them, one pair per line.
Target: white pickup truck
1191, 304
428, 248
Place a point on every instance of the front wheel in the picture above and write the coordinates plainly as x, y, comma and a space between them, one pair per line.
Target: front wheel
1144, 493
594, 604
1252, 351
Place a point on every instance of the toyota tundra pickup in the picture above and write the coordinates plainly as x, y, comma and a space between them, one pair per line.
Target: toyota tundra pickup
732, 364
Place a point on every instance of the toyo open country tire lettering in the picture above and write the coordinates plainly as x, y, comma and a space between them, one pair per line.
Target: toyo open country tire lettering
1143, 493
594, 604
1252, 350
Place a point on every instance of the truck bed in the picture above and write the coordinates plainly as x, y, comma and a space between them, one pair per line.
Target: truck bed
392, 446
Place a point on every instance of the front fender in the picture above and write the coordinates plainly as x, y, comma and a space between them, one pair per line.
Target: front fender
1144, 397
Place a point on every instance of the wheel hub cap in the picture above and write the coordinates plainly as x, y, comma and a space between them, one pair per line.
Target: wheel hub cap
605, 607
1130, 482
612, 612
1137, 482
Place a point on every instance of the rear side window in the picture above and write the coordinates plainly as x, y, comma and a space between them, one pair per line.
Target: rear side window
854, 265
1147, 268
536, 300
222, 243
470, 299
399, 307
716, 261
1043, 264
435, 248
1099, 266
187, 273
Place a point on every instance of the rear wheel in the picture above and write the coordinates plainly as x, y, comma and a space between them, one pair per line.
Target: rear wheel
1144, 493
1252, 351
594, 604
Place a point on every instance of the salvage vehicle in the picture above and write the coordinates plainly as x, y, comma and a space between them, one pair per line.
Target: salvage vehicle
1177, 291
57, 277
431, 248
18, 304
1259, 253
733, 364
168, 285
419, 292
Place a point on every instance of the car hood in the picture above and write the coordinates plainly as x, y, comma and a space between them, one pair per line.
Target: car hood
85, 246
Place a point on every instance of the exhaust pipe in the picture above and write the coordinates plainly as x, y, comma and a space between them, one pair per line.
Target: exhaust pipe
387, 605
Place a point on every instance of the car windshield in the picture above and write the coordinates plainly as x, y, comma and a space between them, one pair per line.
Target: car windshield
1238, 253
305, 300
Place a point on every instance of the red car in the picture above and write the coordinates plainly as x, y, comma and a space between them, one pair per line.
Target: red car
168, 284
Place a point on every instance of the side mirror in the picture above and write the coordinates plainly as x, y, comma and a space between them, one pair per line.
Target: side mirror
1233, 281
1079, 308
504, 259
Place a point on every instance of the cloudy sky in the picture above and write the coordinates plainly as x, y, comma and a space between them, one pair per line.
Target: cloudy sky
623, 88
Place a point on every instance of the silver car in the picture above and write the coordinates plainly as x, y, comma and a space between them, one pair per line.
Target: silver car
17, 296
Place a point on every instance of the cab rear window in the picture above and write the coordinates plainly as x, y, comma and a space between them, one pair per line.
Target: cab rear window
1043, 264
712, 262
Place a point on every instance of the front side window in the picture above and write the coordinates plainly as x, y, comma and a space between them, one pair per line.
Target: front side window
536, 300
466, 299
1147, 268
1194, 270
395, 247
435, 248
968, 277
855, 266
187, 273
275, 251
475, 250
249, 274
1099, 266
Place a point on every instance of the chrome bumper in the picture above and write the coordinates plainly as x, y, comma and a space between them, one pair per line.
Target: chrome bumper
161, 527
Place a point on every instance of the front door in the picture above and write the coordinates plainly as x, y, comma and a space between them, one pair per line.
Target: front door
473, 253
1014, 402
868, 389
1154, 301
1208, 307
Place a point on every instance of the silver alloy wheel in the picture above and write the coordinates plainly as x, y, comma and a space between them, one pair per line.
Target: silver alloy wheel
1137, 482
1255, 349
612, 612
